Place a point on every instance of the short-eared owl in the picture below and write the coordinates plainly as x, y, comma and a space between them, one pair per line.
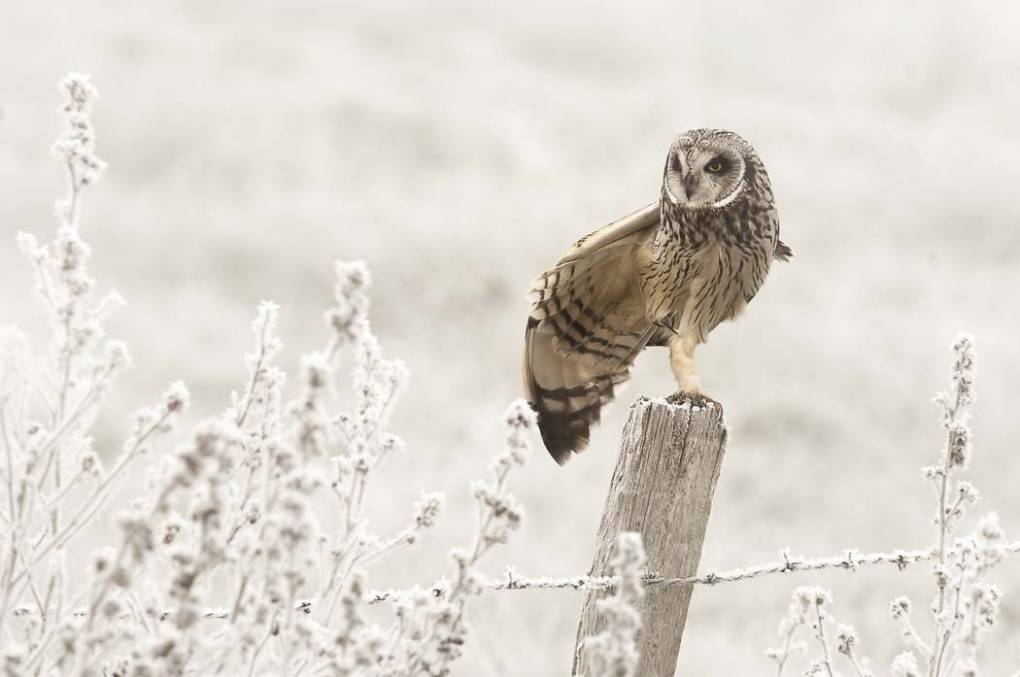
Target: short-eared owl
665, 275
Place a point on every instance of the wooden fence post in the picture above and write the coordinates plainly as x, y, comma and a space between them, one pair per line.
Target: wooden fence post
662, 488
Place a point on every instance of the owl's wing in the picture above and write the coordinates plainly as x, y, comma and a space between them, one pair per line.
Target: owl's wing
586, 326
757, 256
642, 219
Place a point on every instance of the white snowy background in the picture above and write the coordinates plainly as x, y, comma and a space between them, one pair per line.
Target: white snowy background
458, 147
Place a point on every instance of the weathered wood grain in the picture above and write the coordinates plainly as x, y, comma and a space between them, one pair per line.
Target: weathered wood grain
670, 457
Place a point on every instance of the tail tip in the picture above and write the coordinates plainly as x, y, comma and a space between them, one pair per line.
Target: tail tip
562, 440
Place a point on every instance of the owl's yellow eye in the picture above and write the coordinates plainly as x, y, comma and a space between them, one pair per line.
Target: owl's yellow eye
715, 166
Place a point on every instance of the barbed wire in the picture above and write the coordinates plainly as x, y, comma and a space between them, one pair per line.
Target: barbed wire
850, 560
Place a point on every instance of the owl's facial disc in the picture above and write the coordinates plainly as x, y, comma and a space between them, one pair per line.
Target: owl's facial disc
704, 175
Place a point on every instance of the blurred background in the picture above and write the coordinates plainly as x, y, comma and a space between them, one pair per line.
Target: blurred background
459, 148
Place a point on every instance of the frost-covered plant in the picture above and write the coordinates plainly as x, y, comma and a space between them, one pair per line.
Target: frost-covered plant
809, 609
613, 652
965, 604
53, 484
431, 629
246, 550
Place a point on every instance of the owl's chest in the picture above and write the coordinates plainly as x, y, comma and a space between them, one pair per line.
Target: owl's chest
688, 253
701, 274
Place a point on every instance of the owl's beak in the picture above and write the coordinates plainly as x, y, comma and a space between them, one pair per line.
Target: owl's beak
690, 185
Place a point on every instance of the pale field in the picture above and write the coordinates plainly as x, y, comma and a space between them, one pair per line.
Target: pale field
459, 147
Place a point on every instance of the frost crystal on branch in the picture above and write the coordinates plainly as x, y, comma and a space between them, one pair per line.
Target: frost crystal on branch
77, 145
905, 665
349, 313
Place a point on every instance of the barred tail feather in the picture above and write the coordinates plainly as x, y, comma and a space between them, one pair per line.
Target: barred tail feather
567, 397
567, 390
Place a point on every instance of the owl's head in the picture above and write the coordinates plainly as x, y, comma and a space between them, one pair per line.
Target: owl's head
707, 168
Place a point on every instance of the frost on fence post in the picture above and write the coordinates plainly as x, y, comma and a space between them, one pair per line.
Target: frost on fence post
662, 489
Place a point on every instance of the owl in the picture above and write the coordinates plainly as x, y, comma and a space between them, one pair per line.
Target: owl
665, 275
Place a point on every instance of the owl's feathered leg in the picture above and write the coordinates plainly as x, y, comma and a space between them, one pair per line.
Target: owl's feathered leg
681, 359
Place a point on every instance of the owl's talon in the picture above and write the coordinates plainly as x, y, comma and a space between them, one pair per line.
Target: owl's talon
695, 399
